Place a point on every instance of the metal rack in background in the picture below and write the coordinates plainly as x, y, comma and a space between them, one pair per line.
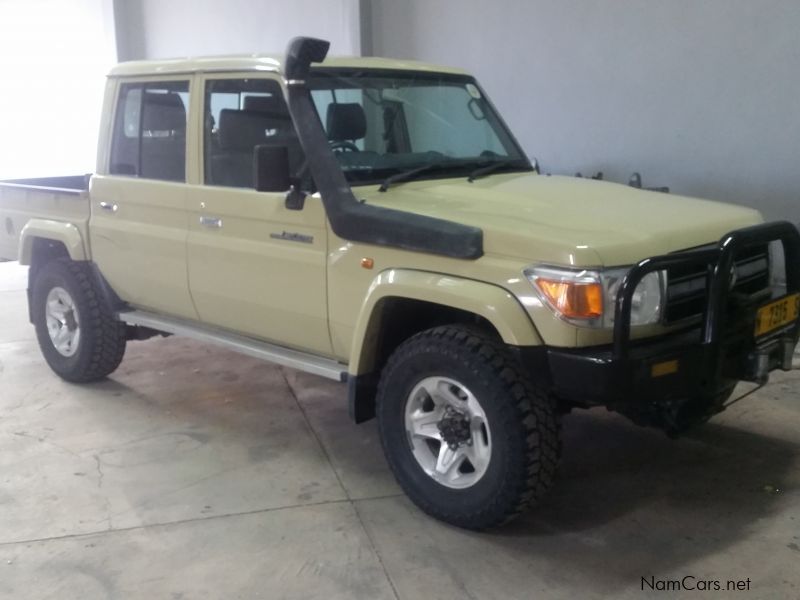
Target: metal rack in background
635, 181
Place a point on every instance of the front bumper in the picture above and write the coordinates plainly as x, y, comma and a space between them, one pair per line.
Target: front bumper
677, 380
670, 384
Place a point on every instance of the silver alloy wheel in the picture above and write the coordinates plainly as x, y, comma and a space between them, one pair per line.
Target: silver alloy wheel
448, 432
63, 321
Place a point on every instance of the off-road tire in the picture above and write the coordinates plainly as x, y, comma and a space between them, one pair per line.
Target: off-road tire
103, 337
521, 415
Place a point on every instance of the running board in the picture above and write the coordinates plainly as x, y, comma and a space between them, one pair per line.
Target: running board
286, 357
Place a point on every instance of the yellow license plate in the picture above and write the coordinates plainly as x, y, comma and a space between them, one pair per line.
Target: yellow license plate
776, 314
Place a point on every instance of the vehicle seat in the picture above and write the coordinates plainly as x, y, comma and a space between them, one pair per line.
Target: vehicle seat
163, 137
275, 107
345, 122
240, 131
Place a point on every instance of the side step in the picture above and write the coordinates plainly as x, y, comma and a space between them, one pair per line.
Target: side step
286, 357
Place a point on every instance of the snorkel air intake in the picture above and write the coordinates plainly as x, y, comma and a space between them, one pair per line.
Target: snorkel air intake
349, 218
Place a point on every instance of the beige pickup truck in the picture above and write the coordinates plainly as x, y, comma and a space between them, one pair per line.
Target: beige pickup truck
375, 222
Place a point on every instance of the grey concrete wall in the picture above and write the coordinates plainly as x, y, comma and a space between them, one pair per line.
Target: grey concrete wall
161, 28
700, 95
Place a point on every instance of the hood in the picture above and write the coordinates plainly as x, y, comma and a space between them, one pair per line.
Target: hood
567, 220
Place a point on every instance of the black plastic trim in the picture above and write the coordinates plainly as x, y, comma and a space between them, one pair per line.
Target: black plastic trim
361, 390
110, 297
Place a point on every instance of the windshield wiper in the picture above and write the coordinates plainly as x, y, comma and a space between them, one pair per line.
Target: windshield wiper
408, 175
490, 168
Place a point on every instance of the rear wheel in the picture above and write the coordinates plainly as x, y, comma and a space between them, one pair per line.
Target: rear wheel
470, 438
78, 334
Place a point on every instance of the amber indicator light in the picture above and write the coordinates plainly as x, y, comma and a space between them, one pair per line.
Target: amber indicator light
575, 300
664, 368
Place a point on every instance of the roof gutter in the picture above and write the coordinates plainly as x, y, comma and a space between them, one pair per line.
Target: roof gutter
349, 218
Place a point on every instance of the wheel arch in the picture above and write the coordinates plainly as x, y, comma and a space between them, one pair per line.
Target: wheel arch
403, 302
44, 240
39, 231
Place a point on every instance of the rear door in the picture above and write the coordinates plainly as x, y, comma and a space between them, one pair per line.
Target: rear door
139, 219
255, 267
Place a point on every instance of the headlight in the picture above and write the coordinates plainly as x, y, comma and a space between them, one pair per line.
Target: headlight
648, 297
777, 265
588, 297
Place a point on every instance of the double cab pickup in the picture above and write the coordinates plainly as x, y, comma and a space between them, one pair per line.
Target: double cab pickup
376, 222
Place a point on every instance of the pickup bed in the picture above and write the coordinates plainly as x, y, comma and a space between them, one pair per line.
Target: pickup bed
375, 222
54, 200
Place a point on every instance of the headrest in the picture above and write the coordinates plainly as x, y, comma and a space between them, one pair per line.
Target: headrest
269, 104
163, 112
242, 129
346, 121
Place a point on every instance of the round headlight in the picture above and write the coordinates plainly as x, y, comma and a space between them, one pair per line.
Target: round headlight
647, 300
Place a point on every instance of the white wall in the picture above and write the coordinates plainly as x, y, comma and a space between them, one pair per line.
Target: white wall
172, 28
54, 55
700, 95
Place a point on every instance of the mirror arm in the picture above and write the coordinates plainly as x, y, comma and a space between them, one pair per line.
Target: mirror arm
296, 198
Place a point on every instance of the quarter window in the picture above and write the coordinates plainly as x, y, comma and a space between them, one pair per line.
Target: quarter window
150, 131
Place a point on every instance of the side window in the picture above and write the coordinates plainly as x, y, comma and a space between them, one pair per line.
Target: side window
150, 131
241, 114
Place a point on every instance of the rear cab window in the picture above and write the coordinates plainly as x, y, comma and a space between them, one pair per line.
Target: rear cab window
149, 134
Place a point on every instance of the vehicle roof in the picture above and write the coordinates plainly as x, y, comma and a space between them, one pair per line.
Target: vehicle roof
262, 62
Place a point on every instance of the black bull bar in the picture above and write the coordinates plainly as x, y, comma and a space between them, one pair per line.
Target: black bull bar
702, 363
720, 263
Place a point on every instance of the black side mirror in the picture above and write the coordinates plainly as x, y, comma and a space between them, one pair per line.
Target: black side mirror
271, 168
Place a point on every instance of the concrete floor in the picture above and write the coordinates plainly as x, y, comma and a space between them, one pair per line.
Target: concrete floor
194, 472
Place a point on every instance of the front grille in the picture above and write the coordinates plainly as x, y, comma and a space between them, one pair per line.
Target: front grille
687, 286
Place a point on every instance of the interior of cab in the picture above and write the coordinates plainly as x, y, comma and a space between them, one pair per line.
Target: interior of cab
241, 114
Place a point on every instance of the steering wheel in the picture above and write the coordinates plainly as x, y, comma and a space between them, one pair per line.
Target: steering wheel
344, 146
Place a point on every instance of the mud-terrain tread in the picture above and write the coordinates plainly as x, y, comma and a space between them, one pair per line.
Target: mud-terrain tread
103, 336
529, 405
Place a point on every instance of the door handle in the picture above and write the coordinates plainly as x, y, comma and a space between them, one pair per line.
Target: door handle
110, 207
212, 222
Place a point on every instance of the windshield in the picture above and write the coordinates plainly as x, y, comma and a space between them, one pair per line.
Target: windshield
381, 123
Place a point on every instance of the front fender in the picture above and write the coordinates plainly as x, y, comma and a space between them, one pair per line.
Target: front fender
58, 231
495, 304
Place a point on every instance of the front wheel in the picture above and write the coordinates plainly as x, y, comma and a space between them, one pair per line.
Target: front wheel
471, 439
79, 336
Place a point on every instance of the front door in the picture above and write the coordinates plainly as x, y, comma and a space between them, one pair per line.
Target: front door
255, 267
